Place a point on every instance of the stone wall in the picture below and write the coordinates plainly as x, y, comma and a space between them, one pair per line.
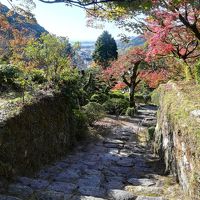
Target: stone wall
177, 137
38, 133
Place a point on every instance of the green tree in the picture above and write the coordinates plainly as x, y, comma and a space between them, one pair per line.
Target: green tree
105, 50
50, 53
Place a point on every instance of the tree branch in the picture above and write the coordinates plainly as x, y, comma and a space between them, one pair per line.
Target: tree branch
80, 3
137, 82
125, 80
192, 27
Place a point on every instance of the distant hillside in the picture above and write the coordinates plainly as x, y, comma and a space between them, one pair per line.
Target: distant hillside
87, 47
20, 22
133, 41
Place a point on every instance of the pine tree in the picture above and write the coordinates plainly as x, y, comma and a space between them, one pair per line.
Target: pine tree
105, 50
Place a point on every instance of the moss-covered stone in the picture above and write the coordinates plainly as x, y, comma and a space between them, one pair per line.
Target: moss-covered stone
38, 133
177, 136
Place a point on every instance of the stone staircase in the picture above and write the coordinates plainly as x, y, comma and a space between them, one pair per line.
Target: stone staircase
118, 166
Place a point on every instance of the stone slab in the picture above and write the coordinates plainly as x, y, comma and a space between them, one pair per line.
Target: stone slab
121, 195
92, 191
4, 197
62, 187
150, 198
20, 190
141, 181
33, 183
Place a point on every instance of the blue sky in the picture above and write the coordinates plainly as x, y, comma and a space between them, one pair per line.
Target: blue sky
68, 21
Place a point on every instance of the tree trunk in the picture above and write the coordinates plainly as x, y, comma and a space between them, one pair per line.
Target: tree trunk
132, 84
132, 97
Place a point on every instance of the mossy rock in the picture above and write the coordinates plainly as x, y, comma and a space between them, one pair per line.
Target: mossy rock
40, 133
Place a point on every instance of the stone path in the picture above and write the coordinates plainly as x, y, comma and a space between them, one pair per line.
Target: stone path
118, 166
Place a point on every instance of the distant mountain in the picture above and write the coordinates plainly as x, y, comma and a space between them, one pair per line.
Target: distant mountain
20, 22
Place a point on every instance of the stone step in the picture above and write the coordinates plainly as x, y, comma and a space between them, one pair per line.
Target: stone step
121, 195
87, 198
4, 197
149, 198
141, 181
33, 183
51, 195
20, 190
114, 167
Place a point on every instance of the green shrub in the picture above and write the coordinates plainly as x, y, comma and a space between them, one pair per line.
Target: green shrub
188, 72
151, 131
99, 98
139, 98
37, 76
116, 106
197, 73
80, 120
8, 75
117, 94
147, 98
93, 111
155, 96
130, 112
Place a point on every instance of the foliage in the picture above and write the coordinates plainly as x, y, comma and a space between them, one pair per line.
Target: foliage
130, 112
131, 69
171, 28
126, 69
50, 53
197, 73
119, 86
151, 133
154, 78
99, 98
155, 96
37, 76
142, 98
116, 106
70, 85
94, 83
8, 76
15, 31
93, 111
165, 36
188, 72
186, 13
117, 94
80, 119
143, 88
105, 50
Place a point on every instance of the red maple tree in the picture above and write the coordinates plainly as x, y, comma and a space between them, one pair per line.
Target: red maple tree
126, 69
174, 29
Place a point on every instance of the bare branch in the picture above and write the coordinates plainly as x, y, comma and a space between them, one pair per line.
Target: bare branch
79, 3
